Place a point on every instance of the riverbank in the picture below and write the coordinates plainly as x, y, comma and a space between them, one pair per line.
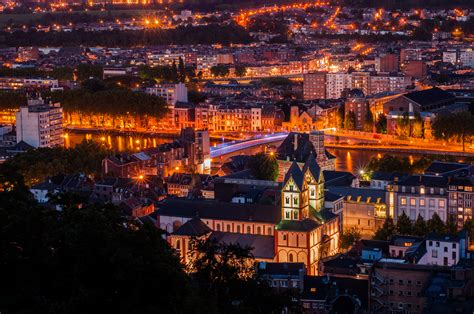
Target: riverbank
402, 149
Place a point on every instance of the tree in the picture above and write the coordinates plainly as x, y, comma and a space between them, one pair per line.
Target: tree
417, 126
226, 281
86, 71
403, 126
386, 232
381, 124
404, 225
220, 71
240, 70
451, 226
340, 117
263, 167
457, 126
435, 224
83, 260
349, 237
419, 227
181, 70
369, 121
350, 121
174, 72
469, 227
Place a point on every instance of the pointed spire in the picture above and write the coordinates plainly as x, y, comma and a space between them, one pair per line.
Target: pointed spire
295, 172
312, 166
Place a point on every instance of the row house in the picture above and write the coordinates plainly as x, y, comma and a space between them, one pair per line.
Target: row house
418, 195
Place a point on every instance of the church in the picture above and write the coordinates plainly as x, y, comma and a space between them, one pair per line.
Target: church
295, 228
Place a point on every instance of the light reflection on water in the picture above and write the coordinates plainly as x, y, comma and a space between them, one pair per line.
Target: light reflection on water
347, 159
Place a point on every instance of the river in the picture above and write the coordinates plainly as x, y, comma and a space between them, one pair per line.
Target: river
351, 160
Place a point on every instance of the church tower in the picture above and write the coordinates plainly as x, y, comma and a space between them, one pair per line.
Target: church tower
294, 195
314, 179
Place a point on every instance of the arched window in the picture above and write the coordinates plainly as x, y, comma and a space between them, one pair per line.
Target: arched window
238, 228
218, 227
178, 244
295, 215
249, 229
259, 230
287, 200
290, 257
228, 228
295, 201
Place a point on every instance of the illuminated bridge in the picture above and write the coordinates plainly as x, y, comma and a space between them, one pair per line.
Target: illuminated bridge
233, 147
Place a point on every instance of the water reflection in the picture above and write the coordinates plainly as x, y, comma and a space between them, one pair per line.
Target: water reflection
347, 159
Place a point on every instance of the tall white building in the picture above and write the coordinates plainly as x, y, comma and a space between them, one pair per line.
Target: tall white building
40, 124
171, 93
336, 83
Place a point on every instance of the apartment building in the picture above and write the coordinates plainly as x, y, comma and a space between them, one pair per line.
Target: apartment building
418, 195
461, 197
40, 124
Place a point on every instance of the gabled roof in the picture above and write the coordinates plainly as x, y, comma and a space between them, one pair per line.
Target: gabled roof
193, 228
295, 173
429, 96
218, 210
298, 225
263, 246
313, 167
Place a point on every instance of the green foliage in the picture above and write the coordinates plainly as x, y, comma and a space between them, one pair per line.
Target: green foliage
264, 167
12, 100
469, 227
417, 126
435, 224
272, 82
403, 126
451, 226
20, 72
86, 71
220, 71
369, 122
350, 121
240, 70
340, 117
110, 101
389, 163
62, 73
349, 237
456, 126
381, 124
189, 35
37, 164
84, 260
226, 281
419, 227
386, 232
404, 225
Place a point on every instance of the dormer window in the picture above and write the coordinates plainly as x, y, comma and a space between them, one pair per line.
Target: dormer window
422, 190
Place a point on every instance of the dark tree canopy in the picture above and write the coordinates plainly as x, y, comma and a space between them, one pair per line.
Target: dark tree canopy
264, 167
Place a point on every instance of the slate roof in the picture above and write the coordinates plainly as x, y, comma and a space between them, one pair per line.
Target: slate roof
440, 167
424, 180
218, 210
286, 269
304, 148
263, 246
388, 176
193, 228
337, 178
429, 96
295, 173
298, 225
365, 194
312, 166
